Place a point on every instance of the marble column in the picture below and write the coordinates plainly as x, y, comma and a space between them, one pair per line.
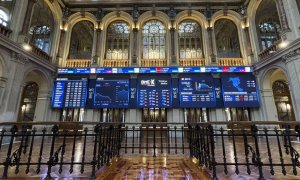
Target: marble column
211, 45
173, 54
134, 47
268, 105
94, 49
3, 82
292, 61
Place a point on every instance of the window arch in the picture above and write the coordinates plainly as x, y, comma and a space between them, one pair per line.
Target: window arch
283, 101
154, 40
190, 40
28, 102
3, 17
117, 41
42, 25
267, 24
227, 39
82, 40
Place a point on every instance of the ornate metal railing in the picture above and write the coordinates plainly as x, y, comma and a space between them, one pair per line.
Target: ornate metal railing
230, 62
153, 62
78, 63
46, 148
5, 30
192, 62
115, 63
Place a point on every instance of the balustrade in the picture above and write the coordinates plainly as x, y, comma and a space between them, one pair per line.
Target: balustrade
116, 63
78, 63
153, 62
230, 62
192, 62
272, 49
40, 52
5, 31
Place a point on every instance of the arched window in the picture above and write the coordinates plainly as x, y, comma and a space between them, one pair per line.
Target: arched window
283, 101
6, 7
190, 40
227, 39
41, 37
42, 25
28, 102
154, 40
3, 18
82, 40
267, 24
117, 41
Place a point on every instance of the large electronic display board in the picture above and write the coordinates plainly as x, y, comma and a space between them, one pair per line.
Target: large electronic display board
154, 92
69, 93
240, 91
111, 93
196, 91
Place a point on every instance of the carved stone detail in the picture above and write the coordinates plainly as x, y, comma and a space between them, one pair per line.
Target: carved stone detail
289, 56
19, 58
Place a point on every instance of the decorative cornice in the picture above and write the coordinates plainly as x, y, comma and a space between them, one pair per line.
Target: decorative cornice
291, 54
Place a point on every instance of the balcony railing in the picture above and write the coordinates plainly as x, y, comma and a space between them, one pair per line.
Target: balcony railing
78, 63
230, 62
153, 62
192, 62
261, 148
40, 52
272, 49
116, 63
5, 30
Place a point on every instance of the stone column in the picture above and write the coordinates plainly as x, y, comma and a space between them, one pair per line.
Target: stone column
134, 46
61, 46
3, 82
211, 45
27, 20
42, 106
292, 61
94, 49
173, 54
282, 17
248, 42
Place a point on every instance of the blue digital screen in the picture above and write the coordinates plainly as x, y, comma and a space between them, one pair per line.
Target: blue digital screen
58, 94
69, 93
111, 93
218, 92
197, 91
240, 91
154, 92
175, 93
133, 93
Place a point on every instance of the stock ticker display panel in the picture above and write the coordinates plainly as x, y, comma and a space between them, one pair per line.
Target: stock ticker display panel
69, 93
109, 93
239, 91
196, 91
154, 91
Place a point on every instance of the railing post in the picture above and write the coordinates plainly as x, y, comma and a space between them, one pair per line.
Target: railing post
212, 145
258, 159
7, 162
94, 161
50, 162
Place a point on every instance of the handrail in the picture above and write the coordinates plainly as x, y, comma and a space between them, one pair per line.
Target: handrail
156, 123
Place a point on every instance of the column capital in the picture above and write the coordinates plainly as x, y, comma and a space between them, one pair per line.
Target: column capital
209, 29
135, 29
19, 58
